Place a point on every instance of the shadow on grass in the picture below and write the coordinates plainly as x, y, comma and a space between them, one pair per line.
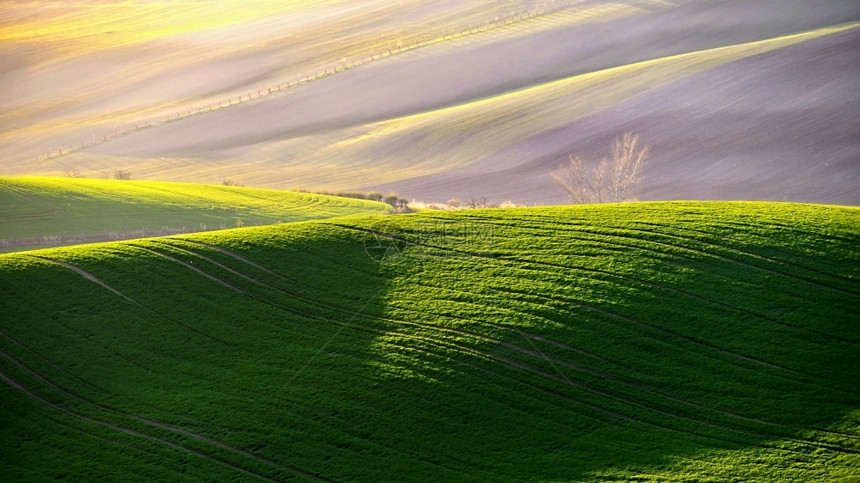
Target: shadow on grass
411, 348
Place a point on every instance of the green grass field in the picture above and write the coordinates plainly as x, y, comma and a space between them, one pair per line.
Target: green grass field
653, 341
38, 211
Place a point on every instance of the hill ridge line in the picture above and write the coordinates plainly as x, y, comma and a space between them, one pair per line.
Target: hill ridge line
281, 87
791, 39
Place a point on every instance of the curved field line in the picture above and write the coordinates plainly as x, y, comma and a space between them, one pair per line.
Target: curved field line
522, 366
632, 385
477, 352
94, 279
341, 325
743, 252
732, 261
680, 291
708, 254
51, 363
224, 267
598, 272
87, 276
660, 339
531, 369
249, 394
807, 379
707, 242
622, 417
233, 255
190, 267
54, 420
618, 233
121, 429
157, 424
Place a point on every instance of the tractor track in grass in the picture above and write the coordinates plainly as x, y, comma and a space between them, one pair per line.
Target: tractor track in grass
156, 424
808, 378
14, 384
513, 364
536, 353
517, 365
788, 263
451, 346
659, 339
89, 277
629, 419
714, 256
99, 282
249, 394
605, 312
190, 267
792, 228
676, 290
577, 304
346, 325
81, 336
522, 365
655, 228
51, 363
593, 271
618, 232
90, 434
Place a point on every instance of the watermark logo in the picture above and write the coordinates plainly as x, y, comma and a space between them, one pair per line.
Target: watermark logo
385, 241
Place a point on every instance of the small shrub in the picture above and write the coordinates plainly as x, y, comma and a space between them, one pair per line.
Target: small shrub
391, 199
476, 203
122, 174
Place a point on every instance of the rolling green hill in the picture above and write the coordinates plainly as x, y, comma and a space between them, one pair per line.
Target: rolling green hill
654, 341
38, 211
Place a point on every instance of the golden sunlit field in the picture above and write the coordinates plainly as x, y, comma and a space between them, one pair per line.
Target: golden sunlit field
324, 240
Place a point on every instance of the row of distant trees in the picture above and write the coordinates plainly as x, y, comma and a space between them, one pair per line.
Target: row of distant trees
122, 174
397, 203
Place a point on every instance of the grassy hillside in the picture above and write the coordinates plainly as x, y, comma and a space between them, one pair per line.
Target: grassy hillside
49, 211
662, 341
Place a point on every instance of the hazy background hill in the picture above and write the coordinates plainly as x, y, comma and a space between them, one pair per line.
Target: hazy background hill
491, 112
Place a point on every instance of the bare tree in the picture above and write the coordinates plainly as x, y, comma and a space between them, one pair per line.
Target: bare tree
574, 179
123, 174
611, 180
627, 161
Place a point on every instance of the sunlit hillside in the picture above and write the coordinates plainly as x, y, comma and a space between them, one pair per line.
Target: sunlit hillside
40, 212
439, 99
